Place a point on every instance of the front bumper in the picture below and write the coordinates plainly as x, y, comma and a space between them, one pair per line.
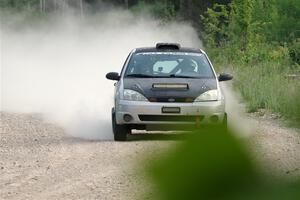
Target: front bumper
144, 113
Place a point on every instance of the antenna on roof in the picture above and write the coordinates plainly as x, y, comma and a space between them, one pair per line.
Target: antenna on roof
174, 46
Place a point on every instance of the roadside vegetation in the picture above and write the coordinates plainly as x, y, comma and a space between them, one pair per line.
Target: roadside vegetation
260, 42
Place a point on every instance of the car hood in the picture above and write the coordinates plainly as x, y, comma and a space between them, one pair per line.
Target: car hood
170, 89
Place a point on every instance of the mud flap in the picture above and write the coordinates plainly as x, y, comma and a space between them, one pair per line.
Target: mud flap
198, 122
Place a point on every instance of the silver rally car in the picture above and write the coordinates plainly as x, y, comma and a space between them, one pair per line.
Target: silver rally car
167, 87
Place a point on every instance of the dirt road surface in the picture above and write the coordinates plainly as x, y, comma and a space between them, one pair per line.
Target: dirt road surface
39, 161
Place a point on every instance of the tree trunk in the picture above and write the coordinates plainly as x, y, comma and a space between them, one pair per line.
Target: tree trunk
55, 5
63, 7
81, 8
126, 4
45, 6
41, 6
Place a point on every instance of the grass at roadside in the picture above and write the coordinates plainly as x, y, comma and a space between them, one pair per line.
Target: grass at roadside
265, 85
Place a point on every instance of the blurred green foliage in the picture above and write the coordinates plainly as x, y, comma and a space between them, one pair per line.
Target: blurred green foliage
20, 5
162, 10
214, 165
273, 20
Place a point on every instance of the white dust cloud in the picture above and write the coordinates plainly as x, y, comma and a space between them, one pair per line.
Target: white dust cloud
58, 69
238, 121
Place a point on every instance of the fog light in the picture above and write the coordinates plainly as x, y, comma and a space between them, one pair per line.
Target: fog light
214, 118
127, 118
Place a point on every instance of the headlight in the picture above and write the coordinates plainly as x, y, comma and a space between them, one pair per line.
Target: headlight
132, 95
211, 95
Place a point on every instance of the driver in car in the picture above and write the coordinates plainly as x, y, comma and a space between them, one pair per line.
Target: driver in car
187, 67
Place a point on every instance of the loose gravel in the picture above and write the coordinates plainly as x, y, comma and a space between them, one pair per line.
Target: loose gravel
39, 161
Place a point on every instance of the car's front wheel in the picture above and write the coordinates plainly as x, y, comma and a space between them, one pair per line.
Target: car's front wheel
120, 131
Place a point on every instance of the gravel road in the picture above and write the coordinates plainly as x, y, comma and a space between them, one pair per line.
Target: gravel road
276, 148
39, 161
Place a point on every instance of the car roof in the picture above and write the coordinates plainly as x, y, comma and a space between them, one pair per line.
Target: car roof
154, 49
167, 47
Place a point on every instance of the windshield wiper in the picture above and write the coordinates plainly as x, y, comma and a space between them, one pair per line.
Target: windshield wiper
151, 76
181, 76
139, 75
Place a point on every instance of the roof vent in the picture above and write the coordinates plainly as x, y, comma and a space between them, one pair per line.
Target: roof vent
171, 46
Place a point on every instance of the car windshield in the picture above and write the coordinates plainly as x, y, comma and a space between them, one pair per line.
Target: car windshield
169, 64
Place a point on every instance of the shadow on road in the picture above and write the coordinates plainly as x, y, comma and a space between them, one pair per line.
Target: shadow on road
156, 136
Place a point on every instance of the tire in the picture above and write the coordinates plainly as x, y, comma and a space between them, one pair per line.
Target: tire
120, 131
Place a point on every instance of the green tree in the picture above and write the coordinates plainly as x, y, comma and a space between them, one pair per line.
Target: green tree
215, 22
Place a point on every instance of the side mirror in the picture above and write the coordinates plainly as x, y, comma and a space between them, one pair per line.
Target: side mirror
113, 76
225, 77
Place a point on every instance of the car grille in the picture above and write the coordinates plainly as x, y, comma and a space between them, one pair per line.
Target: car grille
171, 100
171, 118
